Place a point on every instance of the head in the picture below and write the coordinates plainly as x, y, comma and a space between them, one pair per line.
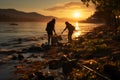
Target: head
66, 22
53, 20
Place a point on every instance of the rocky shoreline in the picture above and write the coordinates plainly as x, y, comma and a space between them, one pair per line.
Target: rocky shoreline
98, 50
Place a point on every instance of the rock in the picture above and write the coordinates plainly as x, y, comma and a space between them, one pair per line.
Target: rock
68, 45
22, 78
33, 49
17, 57
100, 34
14, 57
4, 51
45, 47
75, 55
116, 38
116, 56
64, 58
54, 64
90, 56
68, 66
20, 57
40, 75
19, 41
32, 77
81, 39
49, 78
7, 58
112, 71
33, 56
90, 35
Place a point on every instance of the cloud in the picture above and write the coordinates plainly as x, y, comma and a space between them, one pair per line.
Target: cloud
68, 5
69, 8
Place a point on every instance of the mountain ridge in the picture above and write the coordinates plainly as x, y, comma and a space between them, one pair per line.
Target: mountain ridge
16, 15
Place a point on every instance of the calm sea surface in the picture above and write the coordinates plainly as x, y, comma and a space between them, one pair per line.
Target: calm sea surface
34, 32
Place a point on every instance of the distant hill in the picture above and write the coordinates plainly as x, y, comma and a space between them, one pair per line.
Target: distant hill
15, 15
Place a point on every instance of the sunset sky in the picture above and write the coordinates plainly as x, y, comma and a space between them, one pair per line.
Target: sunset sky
57, 8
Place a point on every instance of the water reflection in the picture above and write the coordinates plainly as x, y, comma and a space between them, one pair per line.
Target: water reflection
77, 31
77, 26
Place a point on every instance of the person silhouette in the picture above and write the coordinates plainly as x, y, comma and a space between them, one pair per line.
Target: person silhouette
70, 28
50, 28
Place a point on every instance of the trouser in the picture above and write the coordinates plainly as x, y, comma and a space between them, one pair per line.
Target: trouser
50, 34
70, 36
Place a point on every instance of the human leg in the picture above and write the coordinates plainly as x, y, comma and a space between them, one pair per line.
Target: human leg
48, 39
69, 37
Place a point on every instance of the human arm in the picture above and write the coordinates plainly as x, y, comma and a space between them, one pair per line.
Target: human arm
63, 30
54, 31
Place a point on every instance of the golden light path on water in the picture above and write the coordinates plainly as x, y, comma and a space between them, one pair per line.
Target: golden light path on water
77, 31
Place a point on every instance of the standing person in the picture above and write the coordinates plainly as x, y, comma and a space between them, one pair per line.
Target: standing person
70, 28
50, 29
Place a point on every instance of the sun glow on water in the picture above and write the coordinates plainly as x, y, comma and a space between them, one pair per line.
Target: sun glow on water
77, 31
77, 26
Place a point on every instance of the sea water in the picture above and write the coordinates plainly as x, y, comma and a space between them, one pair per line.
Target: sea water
34, 32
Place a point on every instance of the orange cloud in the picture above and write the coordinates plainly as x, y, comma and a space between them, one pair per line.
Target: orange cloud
68, 5
67, 10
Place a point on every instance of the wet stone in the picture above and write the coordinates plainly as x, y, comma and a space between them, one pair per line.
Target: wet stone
8, 51
14, 57
54, 64
33, 49
31, 76
20, 57
40, 75
49, 78
17, 57
68, 66
45, 46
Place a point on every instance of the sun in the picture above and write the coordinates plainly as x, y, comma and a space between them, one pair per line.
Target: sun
77, 14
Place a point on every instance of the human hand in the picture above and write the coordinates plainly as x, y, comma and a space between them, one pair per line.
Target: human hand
55, 34
61, 32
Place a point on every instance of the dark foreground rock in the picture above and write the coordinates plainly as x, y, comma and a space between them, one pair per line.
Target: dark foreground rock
112, 71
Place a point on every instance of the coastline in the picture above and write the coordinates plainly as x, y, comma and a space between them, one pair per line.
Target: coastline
95, 49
